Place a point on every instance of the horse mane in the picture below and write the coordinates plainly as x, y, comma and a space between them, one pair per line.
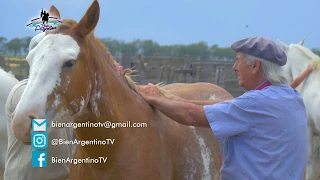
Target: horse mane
126, 74
315, 59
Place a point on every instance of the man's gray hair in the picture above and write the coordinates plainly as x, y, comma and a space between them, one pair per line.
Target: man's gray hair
272, 72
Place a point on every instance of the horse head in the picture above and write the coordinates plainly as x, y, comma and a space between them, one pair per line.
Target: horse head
63, 82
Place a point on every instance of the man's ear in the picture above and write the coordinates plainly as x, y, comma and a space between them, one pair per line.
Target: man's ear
256, 66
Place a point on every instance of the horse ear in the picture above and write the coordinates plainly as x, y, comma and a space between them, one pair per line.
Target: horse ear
89, 21
54, 12
283, 46
301, 42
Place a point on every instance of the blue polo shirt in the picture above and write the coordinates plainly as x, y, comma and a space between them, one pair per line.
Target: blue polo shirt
262, 134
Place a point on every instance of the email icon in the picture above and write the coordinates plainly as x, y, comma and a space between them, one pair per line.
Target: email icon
39, 125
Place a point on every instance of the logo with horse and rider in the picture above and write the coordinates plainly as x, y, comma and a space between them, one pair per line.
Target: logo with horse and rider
44, 22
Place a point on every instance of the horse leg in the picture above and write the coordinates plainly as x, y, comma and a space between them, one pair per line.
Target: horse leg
317, 157
316, 144
309, 167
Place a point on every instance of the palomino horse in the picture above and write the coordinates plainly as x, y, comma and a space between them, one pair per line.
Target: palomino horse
7, 81
72, 75
299, 57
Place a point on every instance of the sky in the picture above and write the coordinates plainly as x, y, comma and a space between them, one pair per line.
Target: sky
169, 22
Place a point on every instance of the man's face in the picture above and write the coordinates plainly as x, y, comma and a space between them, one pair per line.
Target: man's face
244, 71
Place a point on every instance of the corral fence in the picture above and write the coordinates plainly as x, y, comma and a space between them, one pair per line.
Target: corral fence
155, 69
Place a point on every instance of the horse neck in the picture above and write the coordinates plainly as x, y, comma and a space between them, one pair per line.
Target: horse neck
111, 100
297, 64
110, 94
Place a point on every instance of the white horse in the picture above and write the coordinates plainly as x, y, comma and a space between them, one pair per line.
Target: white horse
299, 57
7, 81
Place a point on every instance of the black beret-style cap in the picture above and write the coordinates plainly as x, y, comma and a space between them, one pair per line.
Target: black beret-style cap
261, 47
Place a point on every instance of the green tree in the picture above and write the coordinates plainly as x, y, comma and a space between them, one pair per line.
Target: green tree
224, 53
113, 45
149, 47
129, 48
212, 50
25, 44
3, 42
14, 46
198, 50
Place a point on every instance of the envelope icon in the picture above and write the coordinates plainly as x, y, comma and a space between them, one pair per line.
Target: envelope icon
39, 125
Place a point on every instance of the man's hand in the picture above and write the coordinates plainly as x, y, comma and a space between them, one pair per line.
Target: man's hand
175, 98
118, 68
149, 92
311, 67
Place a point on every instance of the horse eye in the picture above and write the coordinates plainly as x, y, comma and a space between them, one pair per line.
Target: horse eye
69, 64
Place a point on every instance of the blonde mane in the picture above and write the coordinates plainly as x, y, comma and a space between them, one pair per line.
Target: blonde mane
125, 75
315, 59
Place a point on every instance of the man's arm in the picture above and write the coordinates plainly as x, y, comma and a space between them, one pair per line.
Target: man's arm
296, 82
187, 112
182, 112
198, 102
202, 102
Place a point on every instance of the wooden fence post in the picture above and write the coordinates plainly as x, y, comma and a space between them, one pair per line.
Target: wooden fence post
220, 75
198, 73
161, 72
168, 74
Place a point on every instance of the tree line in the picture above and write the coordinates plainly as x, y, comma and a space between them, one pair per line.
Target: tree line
198, 51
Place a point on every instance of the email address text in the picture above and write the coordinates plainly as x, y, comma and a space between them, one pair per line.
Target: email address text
107, 124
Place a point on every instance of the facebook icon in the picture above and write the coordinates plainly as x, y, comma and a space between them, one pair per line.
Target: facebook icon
39, 159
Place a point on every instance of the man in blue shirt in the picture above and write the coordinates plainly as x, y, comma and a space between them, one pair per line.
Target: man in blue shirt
263, 133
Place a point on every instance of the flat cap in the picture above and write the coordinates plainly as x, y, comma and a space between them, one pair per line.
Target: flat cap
261, 47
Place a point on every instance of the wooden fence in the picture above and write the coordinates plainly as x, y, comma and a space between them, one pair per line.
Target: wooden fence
169, 70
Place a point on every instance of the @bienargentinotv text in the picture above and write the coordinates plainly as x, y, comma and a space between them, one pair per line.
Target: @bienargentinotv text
56, 142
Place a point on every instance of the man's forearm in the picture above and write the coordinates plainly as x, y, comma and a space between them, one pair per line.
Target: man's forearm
204, 102
296, 82
182, 112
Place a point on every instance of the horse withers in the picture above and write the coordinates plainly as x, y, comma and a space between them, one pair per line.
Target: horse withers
75, 73
299, 57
